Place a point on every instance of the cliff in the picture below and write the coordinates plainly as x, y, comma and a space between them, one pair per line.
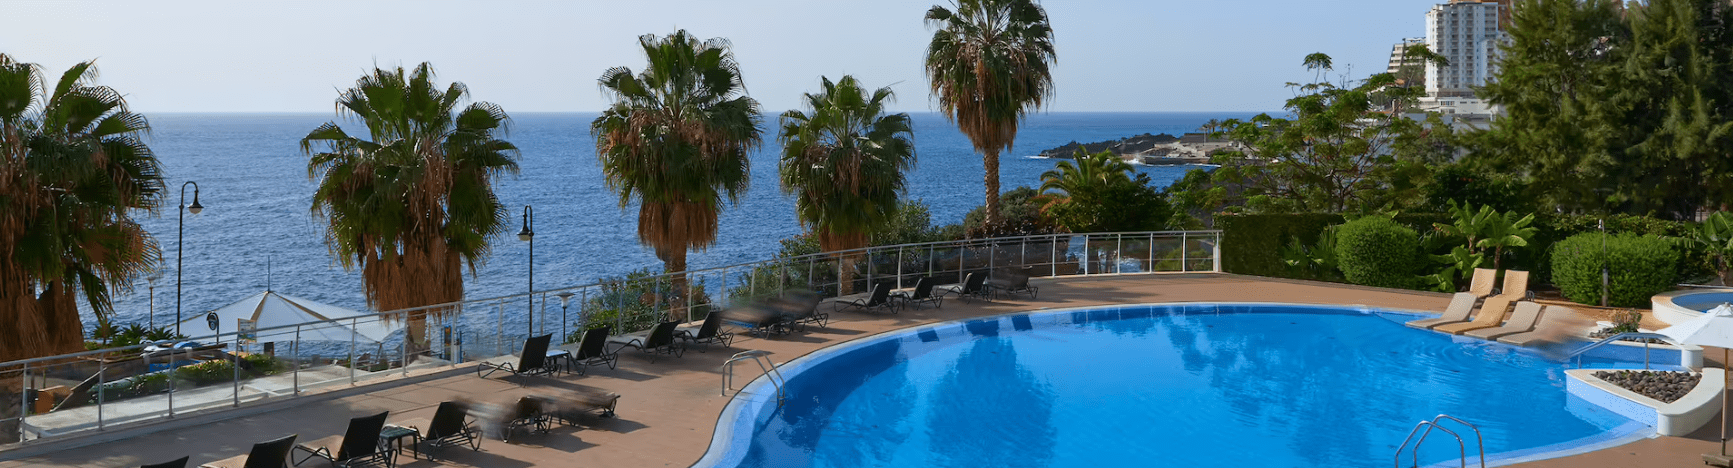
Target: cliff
1134, 145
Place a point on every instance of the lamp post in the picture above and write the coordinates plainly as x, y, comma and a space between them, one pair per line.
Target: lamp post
180, 243
528, 234
154, 275
1605, 274
565, 298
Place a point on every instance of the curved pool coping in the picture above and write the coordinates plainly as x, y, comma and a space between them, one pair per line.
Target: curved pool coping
1666, 310
727, 450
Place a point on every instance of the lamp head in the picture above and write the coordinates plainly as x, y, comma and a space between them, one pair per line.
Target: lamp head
526, 234
196, 207
565, 297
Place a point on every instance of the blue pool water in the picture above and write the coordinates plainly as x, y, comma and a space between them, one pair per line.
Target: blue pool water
1162, 385
1703, 301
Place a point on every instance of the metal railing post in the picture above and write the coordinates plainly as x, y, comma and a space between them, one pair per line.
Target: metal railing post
899, 267
173, 356
24, 399
101, 390
237, 368
1150, 265
403, 350
295, 352
499, 330
1053, 255
1184, 253
1118, 247
1216, 251
352, 323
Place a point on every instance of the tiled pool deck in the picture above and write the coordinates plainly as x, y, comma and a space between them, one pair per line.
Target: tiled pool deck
669, 407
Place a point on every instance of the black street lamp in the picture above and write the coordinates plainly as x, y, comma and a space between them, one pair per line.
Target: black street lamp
180, 243
528, 234
565, 299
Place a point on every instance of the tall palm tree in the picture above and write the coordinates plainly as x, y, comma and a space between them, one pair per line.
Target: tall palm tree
677, 138
412, 201
844, 160
1092, 173
72, 167
988, 66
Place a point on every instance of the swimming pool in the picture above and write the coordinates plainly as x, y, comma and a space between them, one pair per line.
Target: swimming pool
1156, 385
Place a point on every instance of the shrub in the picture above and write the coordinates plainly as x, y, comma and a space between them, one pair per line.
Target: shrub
1376, 251
1640, 267
1252, 244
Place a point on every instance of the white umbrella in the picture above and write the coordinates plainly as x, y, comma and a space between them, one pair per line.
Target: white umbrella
271, 310
1714, 328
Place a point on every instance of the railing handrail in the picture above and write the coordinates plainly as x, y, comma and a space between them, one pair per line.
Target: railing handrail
1621, 336
384, 315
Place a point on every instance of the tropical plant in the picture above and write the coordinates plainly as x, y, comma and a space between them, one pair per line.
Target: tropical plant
1485, 229
1020, 214
677, 138
1715, 236
988, 66
73, 167
1317, 261
843, 159
1101, 194
1336, 154
412, 201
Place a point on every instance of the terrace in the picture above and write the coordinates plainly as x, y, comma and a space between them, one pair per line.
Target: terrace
669, 408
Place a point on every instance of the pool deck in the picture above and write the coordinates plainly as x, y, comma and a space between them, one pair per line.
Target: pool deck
669, 408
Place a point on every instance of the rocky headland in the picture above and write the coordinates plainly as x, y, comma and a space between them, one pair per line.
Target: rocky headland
1133, 145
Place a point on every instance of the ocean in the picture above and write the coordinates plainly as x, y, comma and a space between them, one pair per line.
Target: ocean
256, 194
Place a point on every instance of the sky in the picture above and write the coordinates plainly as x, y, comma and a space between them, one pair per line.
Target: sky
545, 56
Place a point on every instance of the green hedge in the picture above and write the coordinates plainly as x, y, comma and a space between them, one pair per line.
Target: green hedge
1551, 228
1640, 267
1252, 244
1376, 251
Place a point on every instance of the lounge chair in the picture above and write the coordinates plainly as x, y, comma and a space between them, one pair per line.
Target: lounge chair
267, 454
1522, 320
973, 285
451, 426
761, 320
1491, 315
1515, 285
181, 463
1484, 279
660, 340
922, 293
526, 413
358, 446
593, 351
879, 298
1531, 338
1011, 282
707, 333
569, 406
800, 308
1461, 306
534, 360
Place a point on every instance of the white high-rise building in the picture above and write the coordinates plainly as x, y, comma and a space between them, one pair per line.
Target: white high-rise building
1469, 34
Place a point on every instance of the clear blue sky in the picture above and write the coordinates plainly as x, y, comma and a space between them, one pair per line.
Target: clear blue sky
545, 56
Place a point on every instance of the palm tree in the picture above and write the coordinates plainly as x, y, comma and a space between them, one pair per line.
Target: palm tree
1078, 189
677, 138
844, 162
72, 167
412, 201
988, 66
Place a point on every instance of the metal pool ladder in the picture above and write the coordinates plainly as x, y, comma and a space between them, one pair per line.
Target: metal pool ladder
764, 363
1461, 447
1642, 335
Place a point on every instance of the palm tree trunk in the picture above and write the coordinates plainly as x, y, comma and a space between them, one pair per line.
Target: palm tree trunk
991, 161
674, 263
845, 274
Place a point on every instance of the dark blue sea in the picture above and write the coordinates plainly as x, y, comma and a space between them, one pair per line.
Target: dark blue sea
256, 193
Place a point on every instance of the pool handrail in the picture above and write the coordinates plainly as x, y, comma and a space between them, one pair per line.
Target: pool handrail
1608, 340
1461, 446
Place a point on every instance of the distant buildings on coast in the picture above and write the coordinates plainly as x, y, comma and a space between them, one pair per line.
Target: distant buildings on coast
1470, 36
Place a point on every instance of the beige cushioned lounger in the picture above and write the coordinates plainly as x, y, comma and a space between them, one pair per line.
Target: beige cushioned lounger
1522, 320
1461, 305
1491, 314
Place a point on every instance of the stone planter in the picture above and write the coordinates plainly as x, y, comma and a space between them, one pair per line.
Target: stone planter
1675, 419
